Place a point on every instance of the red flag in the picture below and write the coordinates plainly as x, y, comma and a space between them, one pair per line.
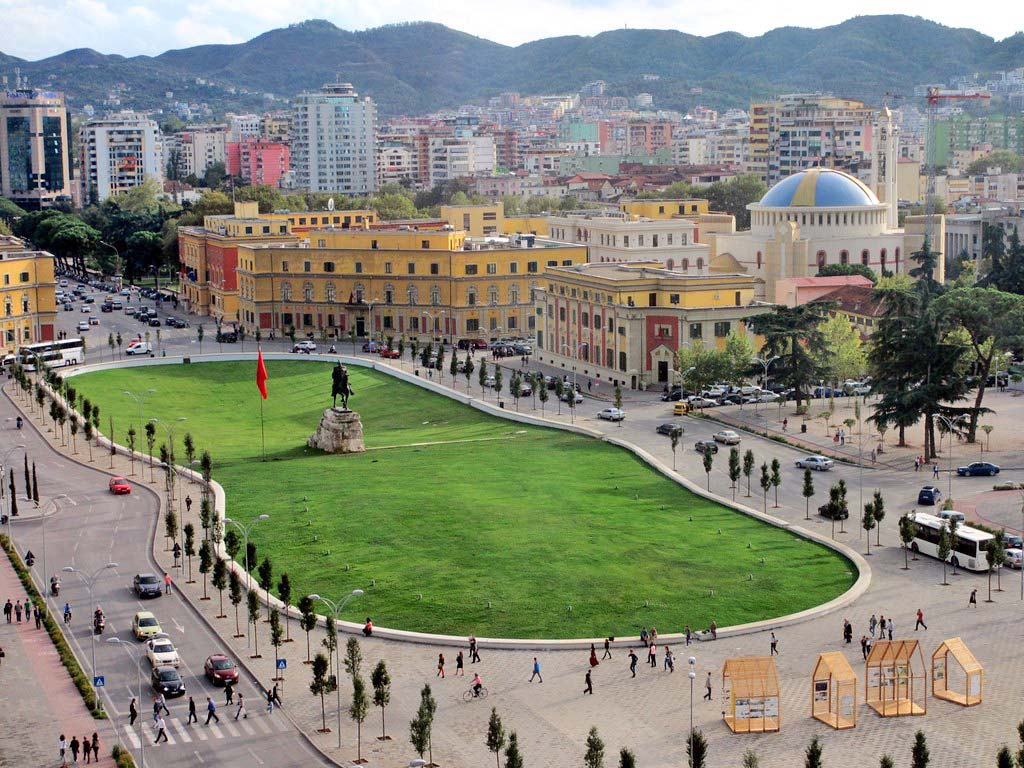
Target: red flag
261, 375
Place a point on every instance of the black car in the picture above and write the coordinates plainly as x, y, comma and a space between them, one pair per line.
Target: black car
834, 513
154, 322
227, 337
146, 585
929, 495
672, 396
106, 307
732, 400
670, 428
706, 446
167, 680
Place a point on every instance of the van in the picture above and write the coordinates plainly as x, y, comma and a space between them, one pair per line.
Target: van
680, 409
952, 514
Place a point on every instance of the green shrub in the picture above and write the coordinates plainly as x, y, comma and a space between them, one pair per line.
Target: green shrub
122, 757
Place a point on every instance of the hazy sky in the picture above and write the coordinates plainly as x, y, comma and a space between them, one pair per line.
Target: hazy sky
35, 29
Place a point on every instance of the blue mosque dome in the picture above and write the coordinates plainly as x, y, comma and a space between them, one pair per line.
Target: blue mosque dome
819, 188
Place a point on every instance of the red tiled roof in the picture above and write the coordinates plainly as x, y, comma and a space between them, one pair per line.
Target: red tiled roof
855, 300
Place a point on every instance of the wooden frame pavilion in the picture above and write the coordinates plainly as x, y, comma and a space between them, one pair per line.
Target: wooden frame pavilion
834, 691
753, 704
895, 682
973, 673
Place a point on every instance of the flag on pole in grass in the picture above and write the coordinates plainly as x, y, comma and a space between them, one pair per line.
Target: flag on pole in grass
261, 375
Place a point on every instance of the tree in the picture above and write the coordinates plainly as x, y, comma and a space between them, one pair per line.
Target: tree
1006, 160
559, 390
190, 449
320, 686
482, 377
150, 430
626, 759
353, 658
794, 336
235, 594
842, 356
419, 731
808, 492
205, 513
284, 591
674, 440
381, 682
232, 543
812, 756
513, 757
253, 604
750, 759
425, 354
739, 353
497, 383
453, 367
220, 581
35, 485
1020, 736
594, 758
170, 525
190, 547
515, 386
843, 270
766, 484
265, 578
748, 468
944, 548
868, 521
907, 532
250, 562
541, 388
1004, 758
428, 706
467, 370
919, 753
276, 634
307, 620
699, 367
131, 446
73, 427
330, 641
709, 459
357, 711
205, 562
696, 749
878, 512
776, 479
734, 469
495, 736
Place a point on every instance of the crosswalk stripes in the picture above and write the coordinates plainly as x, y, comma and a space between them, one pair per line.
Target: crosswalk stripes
179, 732
131, 736
261, 723
179, 727
230, 728
244, 725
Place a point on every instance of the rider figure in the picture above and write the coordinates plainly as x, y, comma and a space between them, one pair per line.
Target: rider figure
477, 684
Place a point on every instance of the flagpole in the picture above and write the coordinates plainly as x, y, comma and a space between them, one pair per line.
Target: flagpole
261, 383
263, 439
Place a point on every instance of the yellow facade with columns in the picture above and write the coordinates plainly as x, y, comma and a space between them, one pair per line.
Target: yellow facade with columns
664, 209
28, 310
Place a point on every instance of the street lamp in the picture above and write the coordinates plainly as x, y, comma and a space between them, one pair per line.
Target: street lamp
433, 321
3, 483
576, 349
137, 657
949, 428
90, 582
139, 400
170, 489
764, 364
336, 608
245, 554
692, 674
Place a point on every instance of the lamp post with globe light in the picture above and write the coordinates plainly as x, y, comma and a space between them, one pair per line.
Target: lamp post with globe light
336, 609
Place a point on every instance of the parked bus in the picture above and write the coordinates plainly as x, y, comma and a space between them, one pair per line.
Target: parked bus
968, 551
53, 354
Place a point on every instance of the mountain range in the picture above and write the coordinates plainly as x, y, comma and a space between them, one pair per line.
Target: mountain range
419, 67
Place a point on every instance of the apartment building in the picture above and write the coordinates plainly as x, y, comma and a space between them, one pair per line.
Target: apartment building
35, 148
258, 161
119, 153
334, 141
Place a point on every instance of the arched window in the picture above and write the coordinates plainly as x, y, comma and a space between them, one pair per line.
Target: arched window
513, 294
897, 254
758, 259
865, 256
492, 295
389, 293
844, 257
307, 292
700, 263
413, 295
822, 259
331, 292
471, 296
286, 291
670, 264
883, 257
686, 265
435, 296
358, 290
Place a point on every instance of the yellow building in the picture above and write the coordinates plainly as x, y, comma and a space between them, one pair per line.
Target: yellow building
489, 220
27, 286
664, 209
419, 283
623, 323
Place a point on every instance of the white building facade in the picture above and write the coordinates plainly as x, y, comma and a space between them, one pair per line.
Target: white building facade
118, 153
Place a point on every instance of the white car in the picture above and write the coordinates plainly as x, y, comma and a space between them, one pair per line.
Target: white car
569, 393
702, 402
304, 346
819, 463
611, 414
86, 309
161, 652
1013, 558
727, 436
83, 325
525, 390
139, 348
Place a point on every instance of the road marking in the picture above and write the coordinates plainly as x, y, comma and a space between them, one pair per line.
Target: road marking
178, 626
181, 730
244, 725
256, 757
198, 756
199, 732
261, 723
230, 728
133, 737
70, 501
216, 730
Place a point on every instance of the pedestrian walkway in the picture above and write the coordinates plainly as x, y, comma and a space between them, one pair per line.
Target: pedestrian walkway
179, 732
38, 699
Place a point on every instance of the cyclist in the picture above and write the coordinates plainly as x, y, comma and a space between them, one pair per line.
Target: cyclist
477, 684
67, 613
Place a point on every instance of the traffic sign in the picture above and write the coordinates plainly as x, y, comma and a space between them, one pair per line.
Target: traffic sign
98, 681
282, 663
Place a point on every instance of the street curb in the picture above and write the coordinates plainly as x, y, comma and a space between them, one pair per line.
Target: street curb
859, 587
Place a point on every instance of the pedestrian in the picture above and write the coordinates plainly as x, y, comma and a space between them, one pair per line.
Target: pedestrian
707, 688
917, 464
881, 628
474, 650
593, 656
87, 749
607, 649
774, 645
973, 599
211, 710
891, 626
192, 717
2, 654
270, 701
62, 744
17, 611
241, 711
920, 620
689, 635
8, 609
713, 629
670, 663
868, 648
75, 745
873, 455
275, 696
95, 747
653, 634
133, 712
872, 624
38, 616
643, 636
835, 438
161, 730
167, 583
589, 683
935, 471
785, 424
440, 665
161, 703
864, 646
188, 503
847, 631
652, 651
229, 693
536, 671
460, 665
177, 552
156, 709
842, 437
28, 608
588, 385
633, 658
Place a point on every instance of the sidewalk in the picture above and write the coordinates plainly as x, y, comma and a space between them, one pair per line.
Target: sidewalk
38, 698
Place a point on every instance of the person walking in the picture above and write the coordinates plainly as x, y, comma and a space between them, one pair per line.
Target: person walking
652, 655
872, 625
211, 711
536, 671
161, 703
156, 709
8, 609
241, 711
38, 614
891, 627
935, 471
713, 629
270, 701
474, 651
62, 745
917, 464
774, 645
460, 662
707, 687
229, 694
17, 611
643, 636
133, 712
28, 608
161, 730
593, 656
881, 628
607, 649
167, 583
192, 717
670, 661
864, 646
689, 635
87, 749
440, 665
275, 696
633, 659
920, 620
847, 631
973, 599
588, 681
95, 747
74, 749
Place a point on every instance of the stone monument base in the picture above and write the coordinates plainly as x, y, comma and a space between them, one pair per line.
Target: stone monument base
340, 431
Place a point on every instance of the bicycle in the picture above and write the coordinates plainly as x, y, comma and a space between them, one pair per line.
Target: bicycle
470, 694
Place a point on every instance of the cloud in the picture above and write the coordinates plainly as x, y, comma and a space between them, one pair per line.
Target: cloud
36, 29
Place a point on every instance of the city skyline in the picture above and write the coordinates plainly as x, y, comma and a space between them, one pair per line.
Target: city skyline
130, 28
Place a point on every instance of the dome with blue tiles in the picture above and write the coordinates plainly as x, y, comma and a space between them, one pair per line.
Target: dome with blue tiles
819, 188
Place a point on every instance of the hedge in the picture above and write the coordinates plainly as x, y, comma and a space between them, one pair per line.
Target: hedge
67, 657
122, 757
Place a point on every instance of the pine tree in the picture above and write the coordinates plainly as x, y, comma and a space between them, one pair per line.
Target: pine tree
594, 757
626, 759
380, 679
696, 749
812, 756
808, 492
513, 757
748, 468
495, 736
919, 754
734, 469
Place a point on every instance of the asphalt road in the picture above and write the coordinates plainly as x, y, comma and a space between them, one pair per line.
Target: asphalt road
91, 528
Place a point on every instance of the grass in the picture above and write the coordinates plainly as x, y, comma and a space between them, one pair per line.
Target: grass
496, 534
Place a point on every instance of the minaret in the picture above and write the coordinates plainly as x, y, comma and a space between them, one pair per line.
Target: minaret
884, 166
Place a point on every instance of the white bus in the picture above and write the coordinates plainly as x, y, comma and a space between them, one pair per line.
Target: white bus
968, 551
52, 354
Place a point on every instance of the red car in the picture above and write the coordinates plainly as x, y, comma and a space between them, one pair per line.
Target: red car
120, 485
389, 353
220, 669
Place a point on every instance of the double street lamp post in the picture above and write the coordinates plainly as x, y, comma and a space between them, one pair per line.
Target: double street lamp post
137, 658
245, 529
336, 609
90, 582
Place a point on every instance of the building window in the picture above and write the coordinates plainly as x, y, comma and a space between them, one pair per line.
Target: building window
286, 291
435, 269
561, 314
284, 267
668, 238
844, 257
307, 320
411, 268
865, 256
640, 240
531, 266
759, 259
585, 318
359, 290
722, 329
331, 292
389, 294
359, 268
413, 295
471, 269
513, 294
307, 266
686, 265
883, 257
471, 296
328, 266
700, 263
472, 325
492, 269
696, 330
663, 331
625, 241
388, 323
425, 244
622, 361
319, 243
387, 267
373, 245
822, 259
307, 292
622, 330
435, 296
414, 323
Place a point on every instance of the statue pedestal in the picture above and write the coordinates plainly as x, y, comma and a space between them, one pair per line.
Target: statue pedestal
340, 431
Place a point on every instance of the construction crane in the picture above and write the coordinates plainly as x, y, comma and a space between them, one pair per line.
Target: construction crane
936, 96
